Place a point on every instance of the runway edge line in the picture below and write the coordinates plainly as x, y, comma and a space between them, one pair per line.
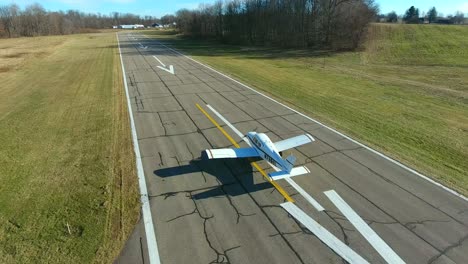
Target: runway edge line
329, 128
145, 205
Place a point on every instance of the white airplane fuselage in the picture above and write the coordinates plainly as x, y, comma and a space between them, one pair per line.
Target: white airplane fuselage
267, 150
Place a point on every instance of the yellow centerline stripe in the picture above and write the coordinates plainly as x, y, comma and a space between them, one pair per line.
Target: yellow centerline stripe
218, 126
276, 185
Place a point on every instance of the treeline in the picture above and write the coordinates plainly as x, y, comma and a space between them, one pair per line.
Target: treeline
34, 20
414, 16
338, 24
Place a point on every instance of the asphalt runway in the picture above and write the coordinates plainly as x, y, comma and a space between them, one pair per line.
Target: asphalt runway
224, 211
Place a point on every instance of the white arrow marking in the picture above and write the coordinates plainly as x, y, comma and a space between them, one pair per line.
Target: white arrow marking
171, 68
159, 61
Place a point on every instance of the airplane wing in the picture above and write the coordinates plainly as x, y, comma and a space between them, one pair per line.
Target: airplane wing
293, 142
231, 153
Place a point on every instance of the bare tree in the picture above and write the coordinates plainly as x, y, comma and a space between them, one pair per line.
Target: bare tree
8, 15
34, 20
289, 23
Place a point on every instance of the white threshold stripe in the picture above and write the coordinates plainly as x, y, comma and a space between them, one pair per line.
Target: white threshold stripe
159, 61
296, 186
323, 234
325, 126
368, 233
153, 251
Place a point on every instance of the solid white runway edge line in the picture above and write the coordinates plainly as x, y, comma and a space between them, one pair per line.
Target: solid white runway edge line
153, 251
323, 234
296, 186
368, 233
325, 126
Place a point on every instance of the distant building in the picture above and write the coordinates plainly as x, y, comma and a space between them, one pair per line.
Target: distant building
173, 24
156, 25
443, 20
135, 26
127, 26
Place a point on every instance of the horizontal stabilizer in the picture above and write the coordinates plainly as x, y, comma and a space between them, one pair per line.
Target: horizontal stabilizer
293, 142
230, 153
294, 172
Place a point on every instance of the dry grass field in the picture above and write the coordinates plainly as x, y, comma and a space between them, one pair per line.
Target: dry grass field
68, 189
405, 93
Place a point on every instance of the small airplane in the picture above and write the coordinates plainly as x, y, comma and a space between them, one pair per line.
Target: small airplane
264, 148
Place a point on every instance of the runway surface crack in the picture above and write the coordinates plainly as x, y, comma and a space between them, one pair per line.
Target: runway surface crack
405, 190
239, 214
447, 249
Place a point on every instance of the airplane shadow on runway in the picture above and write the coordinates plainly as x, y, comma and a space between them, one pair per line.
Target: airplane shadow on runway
235, 176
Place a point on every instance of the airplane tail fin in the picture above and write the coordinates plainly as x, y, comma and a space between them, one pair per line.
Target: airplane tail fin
290, 160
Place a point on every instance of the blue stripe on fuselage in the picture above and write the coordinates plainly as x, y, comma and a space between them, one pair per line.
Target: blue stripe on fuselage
267, 157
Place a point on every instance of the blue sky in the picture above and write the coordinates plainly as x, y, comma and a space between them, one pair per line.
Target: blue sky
161, 7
